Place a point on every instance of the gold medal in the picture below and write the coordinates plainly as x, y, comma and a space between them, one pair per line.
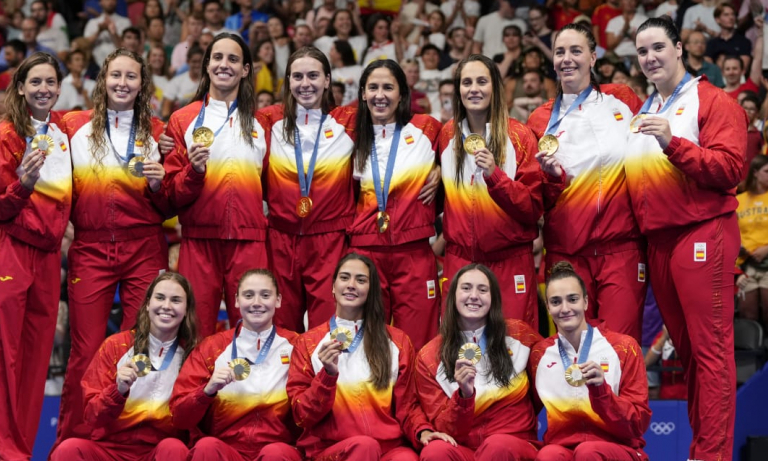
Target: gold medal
304, 207
473, 143
143, 365
382, 221
241, 368
549, 144
343, 336
634, 124
574, 376
43, 142
203, 135
471, 352
136, 166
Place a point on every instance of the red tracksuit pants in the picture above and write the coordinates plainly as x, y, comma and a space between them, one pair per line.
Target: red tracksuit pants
517, 279
75, 449
364, 448
303, 266
29, 304
95, 270
692, 273
615, 286
495, 447
410, 288
591, 451
214, 267
213, 449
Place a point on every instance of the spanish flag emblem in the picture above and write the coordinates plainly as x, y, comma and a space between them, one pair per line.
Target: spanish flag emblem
680, 110
617, 115
409, 139
285, 359
255, 134
139, 143
604, 366
509, 351
63, 146
328, 133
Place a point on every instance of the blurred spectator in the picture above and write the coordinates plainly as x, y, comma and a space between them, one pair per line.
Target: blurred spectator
152, 9
258, 32
91, 68
700, 17
155, 34
29, 30
13, 53
158, 68
302, 36
639, 85
341, 28
446, 100
733, 69
76, 90
564, 12
264, 67
324, 11
103, 32
604, 68
539, 35
621, 30
458, 48
240, 21
668, 8
533, 95
508, 61
620, 76
419, 101
13, 29
662, 352
282, 44
296, 14
751, 104
460, 13
264, 99
490, 28
380, 42
213, 15
337, 90
729, 42
602, 14
345, 70
694, 46
435, 33
132, 40
414, 20
430, 77
183, 87
194, 30
49, 37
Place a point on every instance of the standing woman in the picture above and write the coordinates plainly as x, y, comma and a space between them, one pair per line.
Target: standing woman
128, 384
214, 179
35, 200
119, 206
394, 158
492, 193
588, 218
350, 380
310, 198
232, 388
683, 166
590, 379
472, 378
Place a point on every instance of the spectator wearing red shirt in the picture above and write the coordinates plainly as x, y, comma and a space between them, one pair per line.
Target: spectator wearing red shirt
564, 13
604, 13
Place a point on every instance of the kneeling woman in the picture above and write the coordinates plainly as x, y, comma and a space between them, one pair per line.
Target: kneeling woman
233, 385
128, 384
472, 377
350, 380
592, 384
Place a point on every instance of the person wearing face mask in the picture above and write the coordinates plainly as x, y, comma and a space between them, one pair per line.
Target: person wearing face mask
35, 201
350, 382
232, 387
128, 384
214, 179
472, 377
683, 165
589, 219
590, 379
492, 187
119, 205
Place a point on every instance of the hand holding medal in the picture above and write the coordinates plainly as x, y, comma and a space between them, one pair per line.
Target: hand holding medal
220, 378
31, 165
153, 171
464, 374
126, 376
657, 127
592, 373
549, 164
198, 157
328, 354
485, 161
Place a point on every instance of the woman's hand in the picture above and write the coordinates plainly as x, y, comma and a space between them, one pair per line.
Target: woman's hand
154, 172
328, 354
426, 436
126, 376
465, 377
220, 378
429, 191
549, 164
31, 164
760, 254
165, 144
484, 159
593, 373
657, 127
198, 157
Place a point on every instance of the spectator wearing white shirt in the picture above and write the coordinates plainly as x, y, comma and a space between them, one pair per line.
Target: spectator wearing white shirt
460, 13
380, 40
430, 77
183, 87
341, 28
195, 24
620, 31
345, 70
700, 17
489, 29
49, 37
103, 32
76, 90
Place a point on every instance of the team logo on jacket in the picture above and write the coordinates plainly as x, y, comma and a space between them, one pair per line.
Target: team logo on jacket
617, 115
680, 110
139, 143
75, 280
640, 272
255, 134
285, 358
699, 251
604, 365
328, 133
509, 351
408, 139
63, 146
519, 284
431, 289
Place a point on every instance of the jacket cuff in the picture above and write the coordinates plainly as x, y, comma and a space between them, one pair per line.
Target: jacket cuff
495, 177
672, 147
115, 396
194, 175
19, 190
326, 379
599, 391
465, 402
202, 398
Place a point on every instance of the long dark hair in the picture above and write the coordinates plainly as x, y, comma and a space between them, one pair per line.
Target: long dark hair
750, 184
330, 29
501, 368
15, 104
497, 116
246, 93
376, 338
591, 43
346, 52
365, 135
289, 102
187, 335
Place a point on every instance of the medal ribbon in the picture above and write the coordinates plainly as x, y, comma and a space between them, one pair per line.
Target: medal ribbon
168, 357
305, 181
356, 341
201, 115
649, 102
583, 353
554, 121
262, 352
382, 193
129, 150
42, 130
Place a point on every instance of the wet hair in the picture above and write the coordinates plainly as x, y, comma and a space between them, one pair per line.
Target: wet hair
665, 23
264, 272
187, 334
365, 135
346, 52
564, 270
246, 93
757, 164
586, 32
501, 369
376, 338
289, 102
17, 111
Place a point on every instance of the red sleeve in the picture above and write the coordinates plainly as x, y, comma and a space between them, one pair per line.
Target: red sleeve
624, 94
160, 198
407, 409
717, 162
188, 402
520, 198
13, 196
182, 182
537, 352
626, 415
102, 401
311, 395
552, 187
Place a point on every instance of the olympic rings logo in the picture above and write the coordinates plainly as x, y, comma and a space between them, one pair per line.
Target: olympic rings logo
662, 428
